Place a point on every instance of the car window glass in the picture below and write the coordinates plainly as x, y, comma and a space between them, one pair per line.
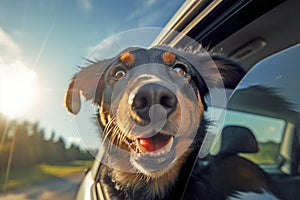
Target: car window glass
267, 101
268, 133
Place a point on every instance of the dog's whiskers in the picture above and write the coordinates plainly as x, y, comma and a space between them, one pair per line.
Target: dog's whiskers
108, 131
119, 135
115, 135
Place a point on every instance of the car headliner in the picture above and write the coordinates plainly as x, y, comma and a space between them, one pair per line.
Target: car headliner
277, 25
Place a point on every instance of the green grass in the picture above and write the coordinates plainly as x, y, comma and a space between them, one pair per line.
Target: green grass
65, 169
43, 172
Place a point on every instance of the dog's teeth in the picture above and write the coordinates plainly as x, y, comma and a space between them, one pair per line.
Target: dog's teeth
159, 153
163, 151
152, 153
167, 148
169, 145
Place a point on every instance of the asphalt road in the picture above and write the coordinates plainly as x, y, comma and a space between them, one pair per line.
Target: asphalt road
58, 189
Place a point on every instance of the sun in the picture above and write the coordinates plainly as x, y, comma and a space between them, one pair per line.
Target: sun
18, 90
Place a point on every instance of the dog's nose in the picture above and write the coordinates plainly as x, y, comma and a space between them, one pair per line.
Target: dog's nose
151, 94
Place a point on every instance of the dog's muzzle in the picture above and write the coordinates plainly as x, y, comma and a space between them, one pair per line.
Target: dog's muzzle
157, 113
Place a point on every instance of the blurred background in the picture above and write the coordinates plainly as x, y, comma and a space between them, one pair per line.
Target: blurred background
42, 43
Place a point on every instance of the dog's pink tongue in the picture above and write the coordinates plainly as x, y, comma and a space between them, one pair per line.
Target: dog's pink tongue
154, 143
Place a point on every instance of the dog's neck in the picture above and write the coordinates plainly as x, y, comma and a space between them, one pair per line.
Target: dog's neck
116, 184
124, 185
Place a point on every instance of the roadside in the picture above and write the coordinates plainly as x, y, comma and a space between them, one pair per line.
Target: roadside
58, 189
41, 173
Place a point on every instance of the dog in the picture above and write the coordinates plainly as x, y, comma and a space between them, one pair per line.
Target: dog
151, 105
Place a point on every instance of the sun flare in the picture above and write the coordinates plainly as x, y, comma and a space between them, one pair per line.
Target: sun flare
17, 90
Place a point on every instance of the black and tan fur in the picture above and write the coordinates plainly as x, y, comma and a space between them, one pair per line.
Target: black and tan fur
97, 82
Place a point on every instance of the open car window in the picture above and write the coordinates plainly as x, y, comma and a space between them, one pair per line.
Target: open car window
267, 101
268, 132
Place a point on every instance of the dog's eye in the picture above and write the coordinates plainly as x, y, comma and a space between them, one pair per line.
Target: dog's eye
118, 74
179, 69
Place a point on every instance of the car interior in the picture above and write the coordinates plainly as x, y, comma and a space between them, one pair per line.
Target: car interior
268, 100
252, 33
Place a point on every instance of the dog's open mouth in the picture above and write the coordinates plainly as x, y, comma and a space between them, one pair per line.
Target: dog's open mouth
157, 144
153, 153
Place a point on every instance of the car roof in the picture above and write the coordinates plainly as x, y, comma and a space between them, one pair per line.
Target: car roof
245, 31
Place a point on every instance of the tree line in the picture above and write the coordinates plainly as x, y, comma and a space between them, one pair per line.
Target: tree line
25, 145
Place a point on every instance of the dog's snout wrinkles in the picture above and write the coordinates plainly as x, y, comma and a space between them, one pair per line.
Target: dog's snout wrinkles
151, 94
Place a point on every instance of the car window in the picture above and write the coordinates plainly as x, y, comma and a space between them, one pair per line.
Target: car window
267, 101
268, 132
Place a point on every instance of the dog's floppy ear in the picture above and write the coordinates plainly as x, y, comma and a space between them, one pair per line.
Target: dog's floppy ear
72, 98
231, 72
85, 83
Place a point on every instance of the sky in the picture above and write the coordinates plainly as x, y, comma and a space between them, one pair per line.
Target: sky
42, 43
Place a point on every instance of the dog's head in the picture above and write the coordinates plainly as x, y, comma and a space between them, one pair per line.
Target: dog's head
151, 102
